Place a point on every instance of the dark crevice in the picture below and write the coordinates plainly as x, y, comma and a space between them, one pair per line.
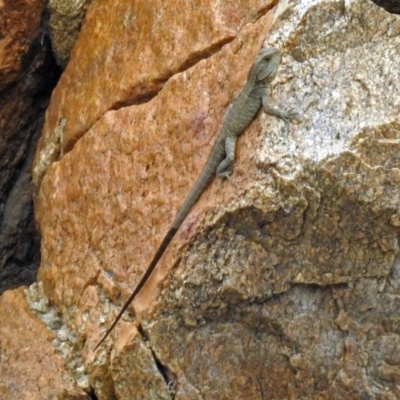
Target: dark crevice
91, 394
318, 286
142, 332
264, 10
167, 375
147, 94
198, 56
22, 106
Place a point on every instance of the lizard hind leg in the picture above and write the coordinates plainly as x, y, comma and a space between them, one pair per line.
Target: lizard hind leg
226, 166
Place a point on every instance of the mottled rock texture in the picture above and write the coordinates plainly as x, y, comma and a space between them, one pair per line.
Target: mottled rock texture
27, 75
31, 367
64, 23
138, 47
285, 285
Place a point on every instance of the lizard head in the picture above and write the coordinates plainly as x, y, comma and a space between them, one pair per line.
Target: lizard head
266, 65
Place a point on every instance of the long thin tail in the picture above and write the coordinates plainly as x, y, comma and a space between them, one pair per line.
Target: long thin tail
167, 239
216, 155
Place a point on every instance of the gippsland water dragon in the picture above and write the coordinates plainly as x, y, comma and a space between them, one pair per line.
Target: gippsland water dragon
220, 161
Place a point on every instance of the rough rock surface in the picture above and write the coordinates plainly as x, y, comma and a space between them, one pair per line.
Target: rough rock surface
27, 76
30, 367
131, 61
65, 20
285, 285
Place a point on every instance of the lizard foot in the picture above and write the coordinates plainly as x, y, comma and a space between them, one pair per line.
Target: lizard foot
226, 175
290, 116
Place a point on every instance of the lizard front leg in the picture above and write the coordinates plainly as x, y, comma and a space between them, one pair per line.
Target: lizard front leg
287, 116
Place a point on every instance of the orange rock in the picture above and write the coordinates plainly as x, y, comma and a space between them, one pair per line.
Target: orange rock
116, 64
30, 367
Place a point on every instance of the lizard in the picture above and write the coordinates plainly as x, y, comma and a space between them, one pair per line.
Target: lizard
220, 161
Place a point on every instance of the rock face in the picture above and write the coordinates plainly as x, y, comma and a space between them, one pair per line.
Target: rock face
27, 75
64, 23
132, 69
31, 367
285, 285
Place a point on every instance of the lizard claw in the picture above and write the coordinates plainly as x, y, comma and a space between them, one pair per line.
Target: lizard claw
230, 180
291, 115
226, 175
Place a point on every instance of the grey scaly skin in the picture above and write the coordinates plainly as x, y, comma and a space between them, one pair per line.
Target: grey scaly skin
220, 161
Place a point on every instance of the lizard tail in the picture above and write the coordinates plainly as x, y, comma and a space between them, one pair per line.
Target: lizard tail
164, 244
